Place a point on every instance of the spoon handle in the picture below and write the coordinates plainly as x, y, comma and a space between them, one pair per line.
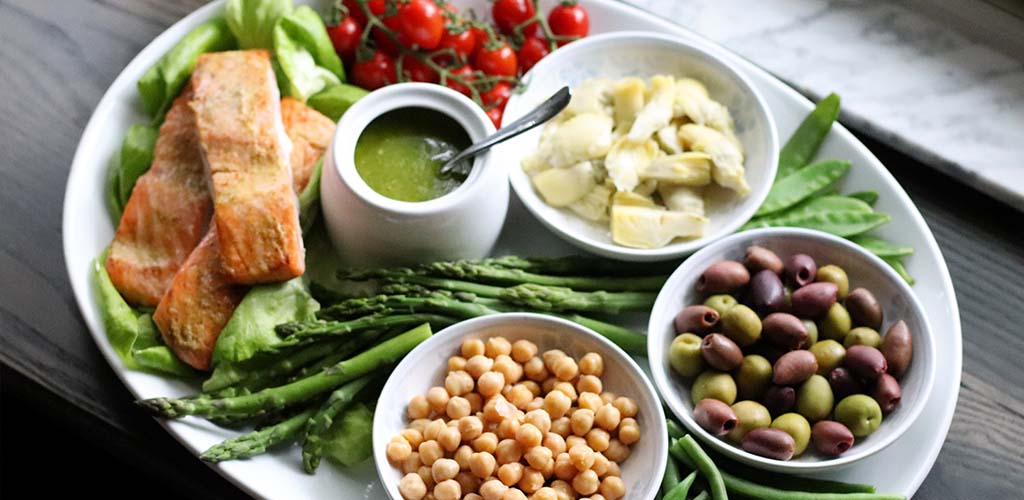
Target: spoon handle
541, 114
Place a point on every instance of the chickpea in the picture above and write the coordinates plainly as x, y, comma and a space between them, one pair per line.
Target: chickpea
449, 438
448, 490
444, 469
487, 442
458, 383
413, 437
535, 369
532, 386
437, 397
565, 368
592, 364
469, 483
617, 452
596, 496
523, 350
607, 417
536, 403
629, 431
472, 347
420, 424
492, 489
497, 346
573, 441
539, 457
430, 452
482, 464
590, 400
508, 451
497, 408
411, 487
476, 402
548, 385
589, 383
462, 456
613, 469
561, 426
613, 488
510, 473
627, 407
566, 388
586, 482
608, 397
472, 496
545, 493
601, 463
564, 469
458, 407
557, 404
424, 473
411, 463
418, 407
563, 489
508, 428
550, 357
470, 427
398, 450
554, 442
582, 457
529, 436
456, 363
509, 368
539, 419
513, 494
478, 365
582, 421
520, 396
490, 383
597, 439
533, 479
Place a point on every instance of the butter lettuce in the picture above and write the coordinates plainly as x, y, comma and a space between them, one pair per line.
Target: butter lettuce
251, 327
252, 21
305, 57
345, 442
135, 159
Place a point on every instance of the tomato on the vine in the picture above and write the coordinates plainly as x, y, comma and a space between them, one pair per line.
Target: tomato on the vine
345, 37
569, 19
418, 71
466, 73
498, 94
354, 10
508, 14
533, 50
462, 44
375, 72
422, 23
495, 115
499, 60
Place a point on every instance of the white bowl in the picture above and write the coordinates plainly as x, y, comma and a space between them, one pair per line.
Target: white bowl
426, 367
864, 270
370, 229
622, 54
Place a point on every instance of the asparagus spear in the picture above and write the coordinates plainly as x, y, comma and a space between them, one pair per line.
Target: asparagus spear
312, 445
296, 392
303, 331
581, 266
253, 374
257, 442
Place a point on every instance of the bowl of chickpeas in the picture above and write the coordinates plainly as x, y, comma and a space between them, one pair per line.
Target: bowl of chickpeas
519, 406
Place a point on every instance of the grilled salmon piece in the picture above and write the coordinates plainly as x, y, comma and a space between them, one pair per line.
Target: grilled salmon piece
200, 302
166, 215
310, 133
246, 150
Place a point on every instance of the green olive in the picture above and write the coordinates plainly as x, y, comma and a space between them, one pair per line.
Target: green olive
721, 302
860, 413
750, 415
797, 427
684, 355
753, 376
829, 354
863, 335
835, 274
836, 323
715, 385
814, 398
741, 324
812, 331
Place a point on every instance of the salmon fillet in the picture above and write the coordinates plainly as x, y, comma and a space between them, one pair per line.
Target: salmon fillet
310, 133
166, 215
200, 302
246, 151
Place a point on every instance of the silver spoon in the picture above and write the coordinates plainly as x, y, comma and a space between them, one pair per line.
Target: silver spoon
546, 111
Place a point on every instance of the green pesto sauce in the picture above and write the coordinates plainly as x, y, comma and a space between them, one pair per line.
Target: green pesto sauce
401, 152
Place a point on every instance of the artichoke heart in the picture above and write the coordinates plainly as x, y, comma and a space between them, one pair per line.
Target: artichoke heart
656, 114
641, 227
681, 198
591, 96
668, 138
692, 101
628, 100
626, 159
561, 186
727, 169
594, 205
582, 137
629, 198
690, 169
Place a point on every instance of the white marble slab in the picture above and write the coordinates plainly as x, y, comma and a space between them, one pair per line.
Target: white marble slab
912, 82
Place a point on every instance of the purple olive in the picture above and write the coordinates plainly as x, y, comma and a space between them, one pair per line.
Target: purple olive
715, 416
723, 277
864, 308
794, 367
843, 383
865, 362
779, 399
801, 269
696, 319
898, 348
831, 438
784, 330
814, 300
721, 352
771, 443
760, 258
766, 292
887, 392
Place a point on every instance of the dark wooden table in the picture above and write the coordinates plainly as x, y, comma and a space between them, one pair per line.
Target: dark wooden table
57, 57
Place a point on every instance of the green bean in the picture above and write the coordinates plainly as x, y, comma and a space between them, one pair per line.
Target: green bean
807, 138
842, 223
748, 489
703, 495
702, 462
671, 477
869, 197
881, 247
679, 491
801, 184
674, 431
897, 264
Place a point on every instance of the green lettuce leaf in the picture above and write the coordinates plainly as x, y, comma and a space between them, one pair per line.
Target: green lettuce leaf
253, 21
333, 101
309, 198
136, 157
346, 441
251, 327
305, 57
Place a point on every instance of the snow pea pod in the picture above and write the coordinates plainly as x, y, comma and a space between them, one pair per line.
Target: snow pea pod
805, 141
897, 264
830, 203
881, 247
869, 197
801, 184
840, 223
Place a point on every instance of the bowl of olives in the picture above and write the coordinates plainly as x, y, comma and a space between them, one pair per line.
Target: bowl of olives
791, 350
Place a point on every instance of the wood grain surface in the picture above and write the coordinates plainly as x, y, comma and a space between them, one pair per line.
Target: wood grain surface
59, 56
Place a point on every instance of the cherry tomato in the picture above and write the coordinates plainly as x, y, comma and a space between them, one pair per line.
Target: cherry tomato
495, 115
345, 38
375, 72
418, 71
499, 61
569, 20
466, 72
385, 42
354, 10
532, 51
498, 95
480, 37
463, 44
508, 14
422, 23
